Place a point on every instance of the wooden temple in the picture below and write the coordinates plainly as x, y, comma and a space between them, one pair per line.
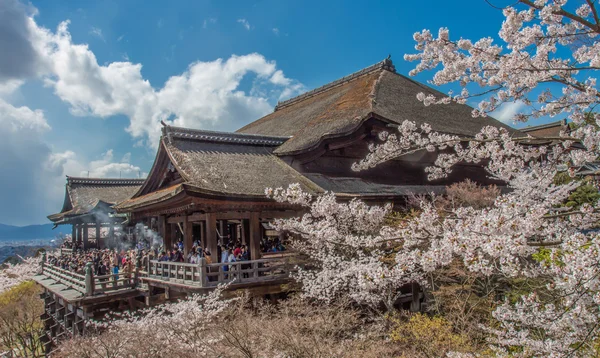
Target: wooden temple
88, 209
209, 186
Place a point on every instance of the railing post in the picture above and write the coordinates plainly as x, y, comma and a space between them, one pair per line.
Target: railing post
221, 274
255, 269
203, 271
136, 274
89, 279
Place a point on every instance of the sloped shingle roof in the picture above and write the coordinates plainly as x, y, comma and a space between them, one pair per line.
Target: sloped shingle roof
338, 108
84, 194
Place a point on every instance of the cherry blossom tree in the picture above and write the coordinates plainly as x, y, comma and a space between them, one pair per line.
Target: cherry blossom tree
13, 274
547, 61
183, 328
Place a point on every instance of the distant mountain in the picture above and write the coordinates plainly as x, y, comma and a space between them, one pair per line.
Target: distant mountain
44, 231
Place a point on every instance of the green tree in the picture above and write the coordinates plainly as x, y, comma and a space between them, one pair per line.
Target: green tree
20, 324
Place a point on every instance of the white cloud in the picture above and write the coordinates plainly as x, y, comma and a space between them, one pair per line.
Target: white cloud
34, 184
14, 120
105, 167
209, 21
506, 112
97, 32
276, 31
120, 38
207, 95
126, 158
244, 23
9, 87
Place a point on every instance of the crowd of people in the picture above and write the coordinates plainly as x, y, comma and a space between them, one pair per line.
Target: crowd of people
104, 261
272, 245
124, 261
225, 253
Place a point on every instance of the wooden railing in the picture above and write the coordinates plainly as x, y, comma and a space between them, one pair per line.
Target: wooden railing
68, 278
211, 275
90, 284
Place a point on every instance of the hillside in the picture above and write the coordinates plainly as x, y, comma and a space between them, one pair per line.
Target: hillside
29, 232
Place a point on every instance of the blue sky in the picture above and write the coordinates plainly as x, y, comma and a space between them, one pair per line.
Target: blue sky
87, 95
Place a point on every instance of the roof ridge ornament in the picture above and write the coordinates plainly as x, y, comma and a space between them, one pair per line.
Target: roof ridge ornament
386, 64
222, 137
104, 181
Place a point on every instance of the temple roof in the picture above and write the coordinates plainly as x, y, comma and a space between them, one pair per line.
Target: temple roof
552, 129
82, 195
219, 164
340, 107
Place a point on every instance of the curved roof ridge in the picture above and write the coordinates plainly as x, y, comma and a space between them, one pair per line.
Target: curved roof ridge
222, 137
104, 181
386, 64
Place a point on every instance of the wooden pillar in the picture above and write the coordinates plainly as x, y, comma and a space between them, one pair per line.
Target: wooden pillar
221, 232
86, 243
255, 236
187, 237
73, 233
173, 235
111, 233
163, 229
203, 234
211, 235
244, 231
98, 230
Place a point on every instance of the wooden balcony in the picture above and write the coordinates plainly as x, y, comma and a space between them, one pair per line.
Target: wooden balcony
203, 275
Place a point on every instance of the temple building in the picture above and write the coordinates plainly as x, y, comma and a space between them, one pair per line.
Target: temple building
210, 186
88, 209
552, 129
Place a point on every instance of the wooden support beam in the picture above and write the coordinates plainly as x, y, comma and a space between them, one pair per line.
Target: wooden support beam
211, 236
176, 219
196, 217
73, 233
98, 227
221, 231
187, 238
233, 215
245, 231
230, 215
278, 214
202, 233
255, 236
85, 236
111, 232
162, 229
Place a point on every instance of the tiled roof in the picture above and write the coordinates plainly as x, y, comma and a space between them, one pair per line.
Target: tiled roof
150, 198
84, 194
235, 168
548, 129
340, 107
222, 137
359, 187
